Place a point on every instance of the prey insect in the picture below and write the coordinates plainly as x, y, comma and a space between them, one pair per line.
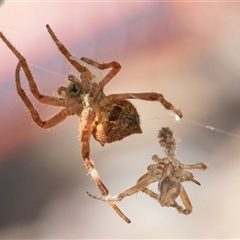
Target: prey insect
107, 118
169, 172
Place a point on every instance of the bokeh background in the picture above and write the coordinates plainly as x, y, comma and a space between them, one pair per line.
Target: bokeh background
190, 52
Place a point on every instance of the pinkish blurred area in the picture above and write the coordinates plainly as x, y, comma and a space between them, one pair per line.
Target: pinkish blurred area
189, 52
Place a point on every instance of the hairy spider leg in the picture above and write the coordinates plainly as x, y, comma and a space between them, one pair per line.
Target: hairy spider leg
58, 118
50, 100
186, 201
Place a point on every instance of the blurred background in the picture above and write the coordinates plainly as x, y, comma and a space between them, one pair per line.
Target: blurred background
189, 52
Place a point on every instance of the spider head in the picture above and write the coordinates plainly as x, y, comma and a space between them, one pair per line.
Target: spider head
116, 121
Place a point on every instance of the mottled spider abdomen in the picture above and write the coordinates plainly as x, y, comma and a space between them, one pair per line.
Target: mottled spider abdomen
116, 121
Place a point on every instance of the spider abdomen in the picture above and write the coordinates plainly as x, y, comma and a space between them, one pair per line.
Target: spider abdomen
116, 120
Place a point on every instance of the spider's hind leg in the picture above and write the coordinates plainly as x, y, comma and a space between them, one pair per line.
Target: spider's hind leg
87, 117
103, 189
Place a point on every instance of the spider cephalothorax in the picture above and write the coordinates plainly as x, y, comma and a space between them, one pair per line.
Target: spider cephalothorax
107, 118
114, 119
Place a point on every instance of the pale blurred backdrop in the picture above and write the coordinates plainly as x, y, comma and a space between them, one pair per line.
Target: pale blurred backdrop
190, 52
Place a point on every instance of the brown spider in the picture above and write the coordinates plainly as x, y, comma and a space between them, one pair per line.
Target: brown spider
169, 173
108, 118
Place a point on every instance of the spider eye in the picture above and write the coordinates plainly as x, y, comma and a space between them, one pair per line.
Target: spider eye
129, 119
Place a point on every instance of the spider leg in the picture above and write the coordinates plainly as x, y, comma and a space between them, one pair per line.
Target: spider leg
34, 113
103, 189
142, 183
201, 166
66, 53
188, 176
140, 186
178, 207
186, 202
150, 193
54, 101
148, 96
86, 119
116, 67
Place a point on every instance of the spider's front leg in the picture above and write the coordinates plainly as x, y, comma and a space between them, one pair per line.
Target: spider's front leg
86, 119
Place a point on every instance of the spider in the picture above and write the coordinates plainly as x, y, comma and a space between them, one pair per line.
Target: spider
169, 172
108, 118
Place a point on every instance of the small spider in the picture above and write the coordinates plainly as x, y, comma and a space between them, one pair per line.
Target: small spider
169, 172
108, 118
